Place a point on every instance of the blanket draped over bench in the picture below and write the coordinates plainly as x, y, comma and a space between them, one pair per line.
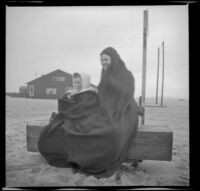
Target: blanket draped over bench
93, 132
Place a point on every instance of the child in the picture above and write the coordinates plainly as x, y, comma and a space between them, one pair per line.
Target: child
81, 83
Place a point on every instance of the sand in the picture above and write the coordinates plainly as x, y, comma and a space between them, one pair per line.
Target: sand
27, 169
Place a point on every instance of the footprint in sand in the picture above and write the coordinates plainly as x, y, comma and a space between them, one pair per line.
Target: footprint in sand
182, 183
11, 175
21, 156
13, 155
174, 153
63, 178
118, 178
159, 182
184, 178
36, 169
182, 166
79, 182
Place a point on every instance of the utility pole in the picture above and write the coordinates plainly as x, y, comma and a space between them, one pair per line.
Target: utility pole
142, 98
145, 31
157, 77
163, 68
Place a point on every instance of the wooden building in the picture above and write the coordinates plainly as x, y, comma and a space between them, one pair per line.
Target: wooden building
50, 86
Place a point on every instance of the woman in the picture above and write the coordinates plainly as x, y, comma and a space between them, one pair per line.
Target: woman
116, 98
93, 133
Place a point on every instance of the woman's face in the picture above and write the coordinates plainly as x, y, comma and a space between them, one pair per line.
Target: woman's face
77, 84
105, 61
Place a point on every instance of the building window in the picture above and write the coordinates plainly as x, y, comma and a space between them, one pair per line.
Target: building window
58, 79
31, 90
51, 91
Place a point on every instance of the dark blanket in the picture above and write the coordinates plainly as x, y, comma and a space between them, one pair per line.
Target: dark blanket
93, 132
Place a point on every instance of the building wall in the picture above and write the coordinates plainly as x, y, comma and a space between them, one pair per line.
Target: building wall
23, 91
46, 81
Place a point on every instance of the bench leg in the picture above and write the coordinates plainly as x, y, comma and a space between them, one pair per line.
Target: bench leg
135, 164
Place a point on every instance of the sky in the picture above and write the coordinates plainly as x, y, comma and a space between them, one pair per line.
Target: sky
40, 40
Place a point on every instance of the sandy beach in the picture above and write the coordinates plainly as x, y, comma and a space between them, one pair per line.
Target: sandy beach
29, 169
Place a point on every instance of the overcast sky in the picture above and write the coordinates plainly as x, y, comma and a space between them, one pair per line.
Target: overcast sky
40, 40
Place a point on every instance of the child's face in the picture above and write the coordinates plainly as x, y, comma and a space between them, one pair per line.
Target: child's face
77, 84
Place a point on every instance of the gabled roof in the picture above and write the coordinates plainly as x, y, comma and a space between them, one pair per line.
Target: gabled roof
58, 70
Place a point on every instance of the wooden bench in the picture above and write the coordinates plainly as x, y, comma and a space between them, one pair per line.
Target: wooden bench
152, 142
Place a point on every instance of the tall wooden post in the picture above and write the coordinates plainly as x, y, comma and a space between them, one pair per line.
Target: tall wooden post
145, 31
163, 69
157, 77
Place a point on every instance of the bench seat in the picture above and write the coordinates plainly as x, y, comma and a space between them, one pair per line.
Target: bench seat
153, 142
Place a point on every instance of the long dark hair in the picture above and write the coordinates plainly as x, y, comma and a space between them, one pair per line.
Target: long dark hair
117, 63
116, 73
116, 88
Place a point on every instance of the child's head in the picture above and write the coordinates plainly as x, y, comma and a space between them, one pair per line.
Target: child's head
81, 81
77, 82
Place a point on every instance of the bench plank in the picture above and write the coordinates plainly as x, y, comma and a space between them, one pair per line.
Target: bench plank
153, 142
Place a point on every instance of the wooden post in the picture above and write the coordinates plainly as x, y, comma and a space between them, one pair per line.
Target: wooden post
145, 30
143, 110
142, 98
157, 77
163, 68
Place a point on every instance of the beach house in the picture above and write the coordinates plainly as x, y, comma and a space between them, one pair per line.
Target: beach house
50, 86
